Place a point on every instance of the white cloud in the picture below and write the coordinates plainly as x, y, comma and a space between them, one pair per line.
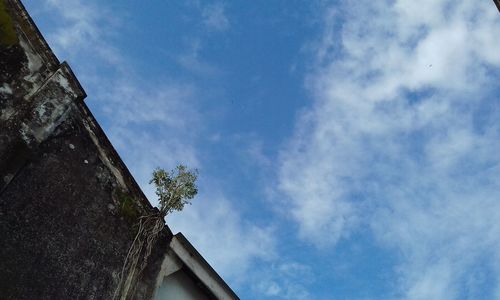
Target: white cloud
214, 17
82, 29
217, 230
192, 62
286, 280
402, 137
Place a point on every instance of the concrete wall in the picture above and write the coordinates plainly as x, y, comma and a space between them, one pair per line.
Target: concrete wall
68, 204
179, 286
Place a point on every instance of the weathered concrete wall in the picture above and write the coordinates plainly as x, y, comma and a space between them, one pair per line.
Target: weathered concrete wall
27, 97
66, 223
68, 204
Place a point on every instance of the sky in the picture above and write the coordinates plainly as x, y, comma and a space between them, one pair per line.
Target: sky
346, 149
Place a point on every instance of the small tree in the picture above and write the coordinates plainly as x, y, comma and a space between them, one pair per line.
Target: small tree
174, 190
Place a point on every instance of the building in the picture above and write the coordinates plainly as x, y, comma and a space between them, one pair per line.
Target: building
68, 205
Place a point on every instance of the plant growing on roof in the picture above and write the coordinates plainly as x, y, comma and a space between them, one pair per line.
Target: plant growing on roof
174, 189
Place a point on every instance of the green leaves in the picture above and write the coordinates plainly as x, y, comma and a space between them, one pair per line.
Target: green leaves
175, 188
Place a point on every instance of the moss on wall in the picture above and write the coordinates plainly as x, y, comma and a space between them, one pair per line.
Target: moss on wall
8, 36
128, 206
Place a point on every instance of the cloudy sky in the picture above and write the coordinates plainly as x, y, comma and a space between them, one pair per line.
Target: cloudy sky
346, 149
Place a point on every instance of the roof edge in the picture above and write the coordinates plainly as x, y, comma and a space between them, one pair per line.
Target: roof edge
201, 268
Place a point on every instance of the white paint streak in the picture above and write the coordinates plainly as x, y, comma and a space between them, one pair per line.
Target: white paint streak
64, 83
104, 157
25, 133
6, 89
34, 63
6, 113
40, 110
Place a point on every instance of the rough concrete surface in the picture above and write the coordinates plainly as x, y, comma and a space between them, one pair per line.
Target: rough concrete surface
68, 204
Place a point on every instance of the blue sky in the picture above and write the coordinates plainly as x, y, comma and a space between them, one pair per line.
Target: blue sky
346, 149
